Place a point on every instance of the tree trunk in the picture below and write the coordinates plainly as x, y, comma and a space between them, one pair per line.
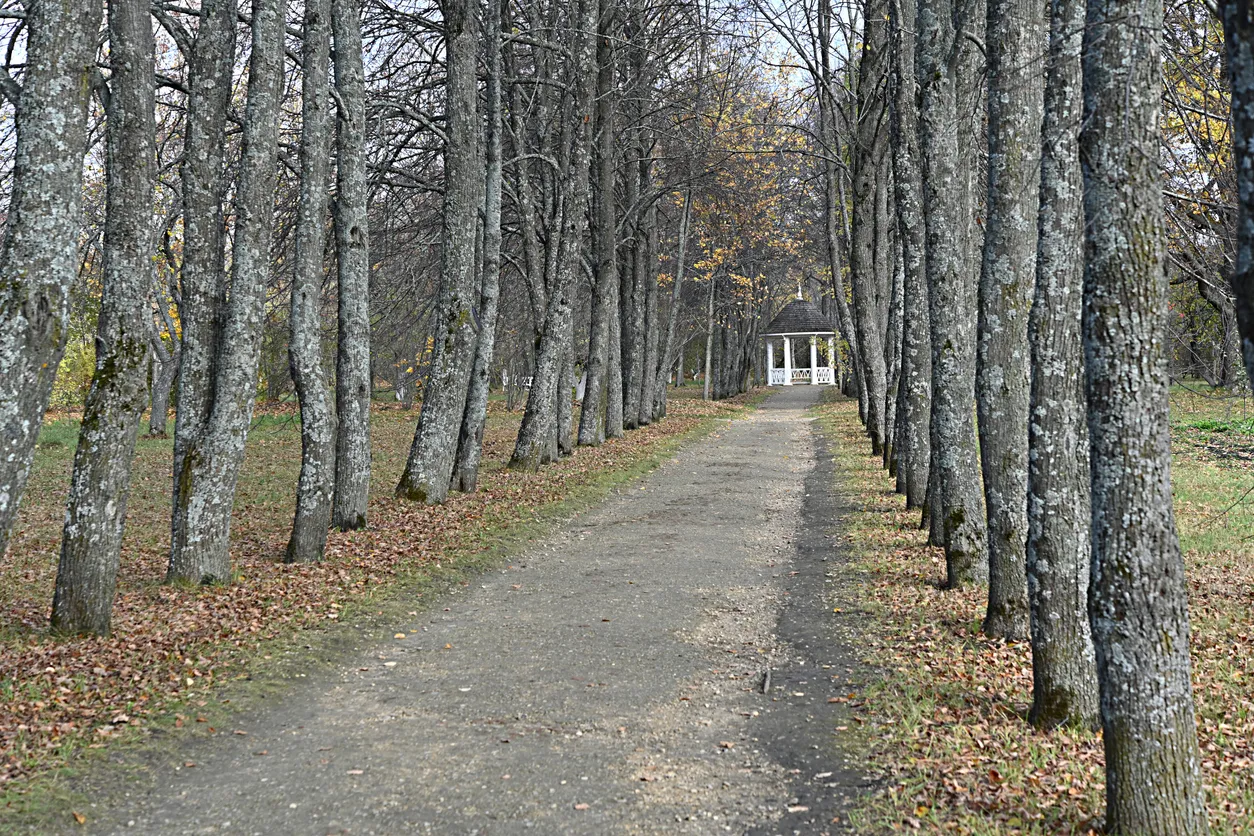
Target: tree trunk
429, 470
316, 484
951, 297
352, 254
565, 404
648, 379
40, 259
533, 447
892, 350
470, 442
100, 484
1137, 595
833, 200
614, 370
672, 315
709, 341
165, 367
914, 448
206, 490
1006, 278
631, 287
1238, 20
868, 157
202, 289
1064, 671
605, 288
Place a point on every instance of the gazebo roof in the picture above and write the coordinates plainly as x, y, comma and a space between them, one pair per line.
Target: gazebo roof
799, 317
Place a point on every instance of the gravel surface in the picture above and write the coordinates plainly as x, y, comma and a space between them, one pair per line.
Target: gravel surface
611, 680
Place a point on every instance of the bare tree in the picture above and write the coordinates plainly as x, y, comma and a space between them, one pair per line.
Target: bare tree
865, 268
959, 508
537, 437
100, 484
429, 470
202, 288
316, 485
206, 488
352, 251
916, 349
39, 263
470, 441
592, 419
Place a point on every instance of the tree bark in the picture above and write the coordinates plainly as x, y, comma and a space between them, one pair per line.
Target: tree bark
100, 484
470, 442
672, 314
614, 370
534, 446
352, 255
1238, 18
892, 350
202, 289
914, 448
40, 259
592, 417
565, 395
1007, 275
1064, 671
429, 470
1137, 596
959, 504
868, 158
206, 489
833, 200
165, 367
316, 485
648, 379
631, 290
709, 341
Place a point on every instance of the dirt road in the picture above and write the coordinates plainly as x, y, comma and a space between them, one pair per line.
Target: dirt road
611, 680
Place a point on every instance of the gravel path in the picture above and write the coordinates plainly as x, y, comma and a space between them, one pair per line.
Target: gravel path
609, 681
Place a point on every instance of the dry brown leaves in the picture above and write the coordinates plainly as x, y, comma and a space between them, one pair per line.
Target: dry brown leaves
172, 645
948, 719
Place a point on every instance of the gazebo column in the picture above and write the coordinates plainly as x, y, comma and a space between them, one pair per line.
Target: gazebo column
831, 357
787, 361
770, 359
814, 359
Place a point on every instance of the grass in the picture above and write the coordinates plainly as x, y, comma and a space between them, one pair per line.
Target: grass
947, 717
208, 652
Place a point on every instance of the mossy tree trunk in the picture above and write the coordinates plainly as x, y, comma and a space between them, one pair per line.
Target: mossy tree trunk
958, 508
39, 264
352, 256
200, 552
1138, 593
429, 469
202, 285
1064, 671
1007, 275
868, 156
315, 487
95, 515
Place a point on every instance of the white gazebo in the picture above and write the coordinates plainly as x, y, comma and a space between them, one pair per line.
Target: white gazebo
800, 321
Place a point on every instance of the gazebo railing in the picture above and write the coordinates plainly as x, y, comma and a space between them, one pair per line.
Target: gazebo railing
800, 374
777, 377
823, 374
